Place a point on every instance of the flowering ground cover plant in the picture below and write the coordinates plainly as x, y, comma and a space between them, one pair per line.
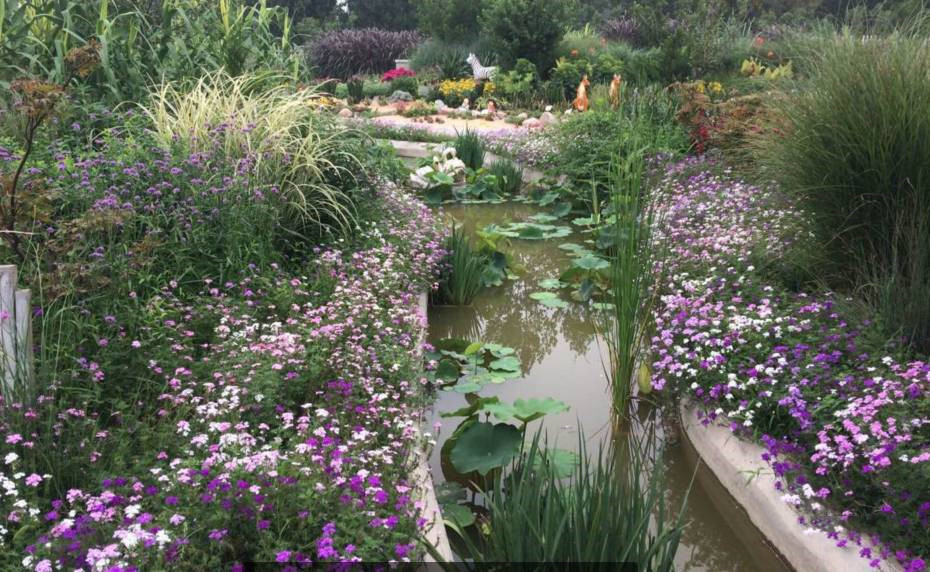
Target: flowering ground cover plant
215, 389
845, 419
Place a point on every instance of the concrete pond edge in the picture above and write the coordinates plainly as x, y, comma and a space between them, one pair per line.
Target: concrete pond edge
423, 480
739, 467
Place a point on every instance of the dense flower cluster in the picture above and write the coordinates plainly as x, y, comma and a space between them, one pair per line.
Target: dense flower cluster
530, 147
284, 428
395, 73
847, 432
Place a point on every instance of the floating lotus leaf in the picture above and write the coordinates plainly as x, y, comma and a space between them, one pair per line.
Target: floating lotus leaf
484, 447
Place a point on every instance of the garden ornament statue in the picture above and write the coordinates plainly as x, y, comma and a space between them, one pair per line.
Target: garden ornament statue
614, 93
480, 72
581, 96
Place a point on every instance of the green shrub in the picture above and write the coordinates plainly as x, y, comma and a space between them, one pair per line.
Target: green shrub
567, 75
640, 66
374, 87
355, 88
470, 149
855, 152
517, 86
408, 84
579, 43
454, 21
529, 29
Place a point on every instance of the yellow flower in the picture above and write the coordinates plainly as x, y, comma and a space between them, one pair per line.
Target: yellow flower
716, 87
459, 87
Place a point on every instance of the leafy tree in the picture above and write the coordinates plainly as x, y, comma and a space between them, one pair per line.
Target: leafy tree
529, 29
453, 21
384, 14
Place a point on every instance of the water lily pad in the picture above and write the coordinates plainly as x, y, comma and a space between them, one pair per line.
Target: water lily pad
549, 299
508, 363
590, 262
548, 198
464, 386
551, 284
473, 348
529, 410
484, 447
457, 516
533, 231
498, 350
561, 209
543, 218
448, 370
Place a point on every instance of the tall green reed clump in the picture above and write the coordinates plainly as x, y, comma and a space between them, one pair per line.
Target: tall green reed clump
634, 272
509, 177
461, 278
470, 149
297, 150
601, 511
855, 152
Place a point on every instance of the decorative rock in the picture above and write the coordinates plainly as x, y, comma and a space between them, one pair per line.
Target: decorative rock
548, 118
548, 108
523, 115
439, 104
532, 123
400, 95
345, 112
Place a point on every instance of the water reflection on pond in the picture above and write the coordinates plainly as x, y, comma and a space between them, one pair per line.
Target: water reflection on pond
561, 358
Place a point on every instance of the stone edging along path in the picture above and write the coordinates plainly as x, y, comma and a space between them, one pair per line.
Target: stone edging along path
739, 467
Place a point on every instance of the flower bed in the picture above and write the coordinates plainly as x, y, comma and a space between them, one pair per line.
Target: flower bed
283, 432
846, 425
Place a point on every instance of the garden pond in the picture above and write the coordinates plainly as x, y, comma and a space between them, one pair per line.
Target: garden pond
561, 357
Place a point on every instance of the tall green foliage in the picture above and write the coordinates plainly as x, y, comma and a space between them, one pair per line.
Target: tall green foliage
182, 39
600, 510
454, 21
529, 29
384, 14
855, 152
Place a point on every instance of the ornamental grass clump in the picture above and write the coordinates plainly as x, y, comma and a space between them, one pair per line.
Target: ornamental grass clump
342, 53
293, 149
855, 151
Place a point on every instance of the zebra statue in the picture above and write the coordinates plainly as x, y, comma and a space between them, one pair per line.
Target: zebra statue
480, 72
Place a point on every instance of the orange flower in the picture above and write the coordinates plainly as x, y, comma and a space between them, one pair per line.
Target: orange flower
758, 41
574, 53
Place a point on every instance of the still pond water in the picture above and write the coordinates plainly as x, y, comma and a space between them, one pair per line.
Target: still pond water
562, 358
